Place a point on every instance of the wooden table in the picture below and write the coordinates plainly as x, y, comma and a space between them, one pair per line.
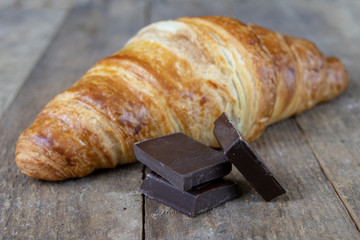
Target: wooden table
47, 45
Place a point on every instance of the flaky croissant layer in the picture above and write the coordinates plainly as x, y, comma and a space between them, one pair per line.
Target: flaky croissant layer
176, 76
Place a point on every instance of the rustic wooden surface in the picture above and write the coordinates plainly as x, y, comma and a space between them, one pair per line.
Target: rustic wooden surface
315, 155
105, 205
17, 33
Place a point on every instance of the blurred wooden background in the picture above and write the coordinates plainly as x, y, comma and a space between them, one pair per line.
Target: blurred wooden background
46, 45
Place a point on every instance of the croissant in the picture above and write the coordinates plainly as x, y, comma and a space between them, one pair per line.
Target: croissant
176, 76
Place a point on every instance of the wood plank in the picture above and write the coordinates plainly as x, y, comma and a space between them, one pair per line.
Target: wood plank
20, 54
311, 209
42, 4
22, 44
106, 204
332, 129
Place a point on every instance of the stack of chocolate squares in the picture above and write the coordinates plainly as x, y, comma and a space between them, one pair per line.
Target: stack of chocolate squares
187, 175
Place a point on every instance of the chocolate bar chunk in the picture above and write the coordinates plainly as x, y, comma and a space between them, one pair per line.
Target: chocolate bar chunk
181, 160
197, 200
246, 160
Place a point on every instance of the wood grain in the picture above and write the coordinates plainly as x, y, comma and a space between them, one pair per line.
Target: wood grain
312, 209
315, 155
22, 44
332, 129
104, 205
42, 4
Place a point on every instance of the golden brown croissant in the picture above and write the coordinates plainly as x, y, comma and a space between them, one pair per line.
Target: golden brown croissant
176, 76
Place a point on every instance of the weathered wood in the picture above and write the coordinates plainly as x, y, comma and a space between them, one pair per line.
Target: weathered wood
106, 204
41, 4
312, 209
24, 35
332, 129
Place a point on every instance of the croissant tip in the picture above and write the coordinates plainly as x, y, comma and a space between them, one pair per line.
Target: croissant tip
340, 74
35, 168
36, 172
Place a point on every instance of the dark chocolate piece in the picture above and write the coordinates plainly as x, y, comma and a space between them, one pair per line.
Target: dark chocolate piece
197, 200
181, 160
246, 160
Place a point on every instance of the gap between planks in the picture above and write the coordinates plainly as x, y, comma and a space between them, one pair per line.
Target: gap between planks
146, 21
43, 51
18, 195
322, 171
143, 206
325, 171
